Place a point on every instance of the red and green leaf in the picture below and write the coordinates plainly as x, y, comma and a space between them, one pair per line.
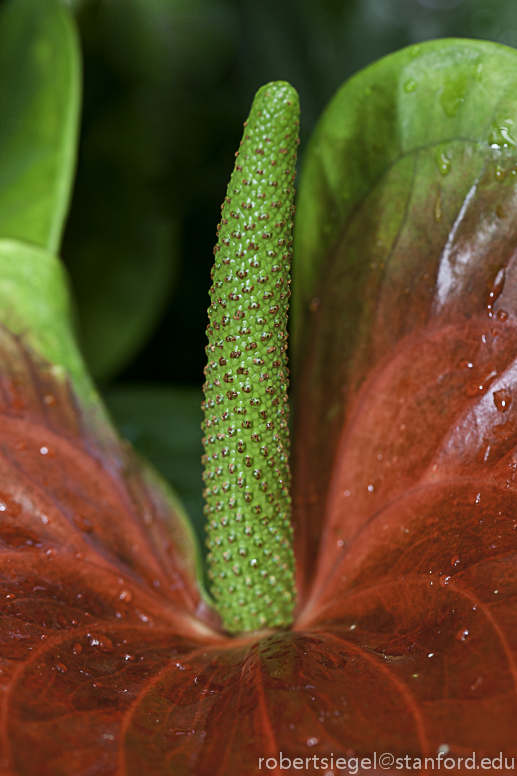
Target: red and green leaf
406, 435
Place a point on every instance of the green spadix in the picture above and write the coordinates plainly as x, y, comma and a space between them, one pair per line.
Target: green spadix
246, 440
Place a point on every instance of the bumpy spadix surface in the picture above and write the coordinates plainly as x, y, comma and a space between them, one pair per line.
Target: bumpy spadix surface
246, 435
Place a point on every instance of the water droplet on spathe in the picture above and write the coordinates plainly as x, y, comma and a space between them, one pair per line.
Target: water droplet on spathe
502, 400
462, 634
479, 387
496, 290
410, 85
475, 389
101, 642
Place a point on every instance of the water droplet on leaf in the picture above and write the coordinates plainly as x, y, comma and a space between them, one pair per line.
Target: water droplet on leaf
443, 162
500, 136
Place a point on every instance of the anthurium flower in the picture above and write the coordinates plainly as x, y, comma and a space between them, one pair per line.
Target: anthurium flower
112, 660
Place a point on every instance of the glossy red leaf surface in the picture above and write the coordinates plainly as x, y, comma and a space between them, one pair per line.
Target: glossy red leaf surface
405, 514
97, 577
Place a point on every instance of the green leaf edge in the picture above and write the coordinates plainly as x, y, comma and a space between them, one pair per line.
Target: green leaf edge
70, 136
55, 22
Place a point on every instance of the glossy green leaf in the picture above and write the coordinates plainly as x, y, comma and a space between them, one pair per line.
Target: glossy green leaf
39, 108
378, 122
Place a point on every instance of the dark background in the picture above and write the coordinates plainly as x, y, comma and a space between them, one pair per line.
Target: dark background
167, 85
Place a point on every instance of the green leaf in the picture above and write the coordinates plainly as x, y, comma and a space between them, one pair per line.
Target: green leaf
164, 425
39, 108
34, 305
441, 106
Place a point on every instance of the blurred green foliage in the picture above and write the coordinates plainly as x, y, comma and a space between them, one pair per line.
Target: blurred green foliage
167, 84
163, 424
